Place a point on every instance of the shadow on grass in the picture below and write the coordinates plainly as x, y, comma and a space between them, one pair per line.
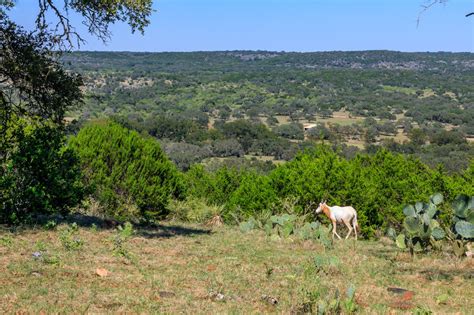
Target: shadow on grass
147, 230
166, 231
386, 252
447, 275
432, 272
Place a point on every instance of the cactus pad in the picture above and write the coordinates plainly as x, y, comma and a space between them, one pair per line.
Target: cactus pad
409, 210
401, 241
419, 206
438, 233
412, 225
436, 199
461, 205
465, 229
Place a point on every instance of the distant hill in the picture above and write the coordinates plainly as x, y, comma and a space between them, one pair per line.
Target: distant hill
227, 60
360, 99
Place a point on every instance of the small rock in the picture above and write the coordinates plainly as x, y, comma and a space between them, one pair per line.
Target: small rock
216, 296
166, 294
408, 296
101, 272
269, 299
36, 274
36, 255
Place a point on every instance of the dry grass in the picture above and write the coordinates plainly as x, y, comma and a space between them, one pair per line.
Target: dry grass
342, 118
185, 268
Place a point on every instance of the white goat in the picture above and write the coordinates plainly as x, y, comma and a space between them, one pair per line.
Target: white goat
346, 215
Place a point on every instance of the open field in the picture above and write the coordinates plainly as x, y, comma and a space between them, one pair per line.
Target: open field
176, 268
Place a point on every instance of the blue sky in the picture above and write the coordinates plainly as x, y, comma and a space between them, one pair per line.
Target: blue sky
288, 25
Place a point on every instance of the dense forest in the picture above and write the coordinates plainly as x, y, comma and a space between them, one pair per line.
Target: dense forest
205, 106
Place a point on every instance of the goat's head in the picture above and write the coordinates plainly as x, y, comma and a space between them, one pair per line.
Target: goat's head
320, 207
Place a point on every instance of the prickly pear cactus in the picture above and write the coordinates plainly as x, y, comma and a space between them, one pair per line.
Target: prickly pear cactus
464, 216
421, 229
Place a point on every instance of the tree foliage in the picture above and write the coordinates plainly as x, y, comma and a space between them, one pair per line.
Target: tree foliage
37, 175
40, 176
129, 175
375, 185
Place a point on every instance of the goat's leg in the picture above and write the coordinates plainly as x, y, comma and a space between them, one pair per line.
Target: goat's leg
334, 230
349, 227
355, 228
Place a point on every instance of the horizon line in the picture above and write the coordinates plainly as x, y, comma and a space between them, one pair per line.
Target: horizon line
273, 51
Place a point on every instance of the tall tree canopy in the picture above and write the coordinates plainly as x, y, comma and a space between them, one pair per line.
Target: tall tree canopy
32, 82
35, 93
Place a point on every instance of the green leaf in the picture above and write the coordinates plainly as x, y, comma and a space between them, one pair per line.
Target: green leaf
287, 229
276, 219
391, 233
470, 216
460, 205
438, 233
412, 225
426, 219
425, 232
409, 210
436, 199
431, 210
465, 229
268, 227
419, 207
249, 225
400, 241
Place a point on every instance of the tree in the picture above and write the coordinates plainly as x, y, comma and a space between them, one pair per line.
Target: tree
417, 136
32, 82
36, 92
290, 131
429, 4
39, 174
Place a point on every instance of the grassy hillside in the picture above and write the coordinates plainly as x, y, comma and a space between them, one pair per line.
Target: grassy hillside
176, 268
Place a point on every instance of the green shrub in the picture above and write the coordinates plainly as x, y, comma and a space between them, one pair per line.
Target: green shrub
374, 185
38, 175
120, 239
129, 174
215, 187
253, 196
68, 236
193, 210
